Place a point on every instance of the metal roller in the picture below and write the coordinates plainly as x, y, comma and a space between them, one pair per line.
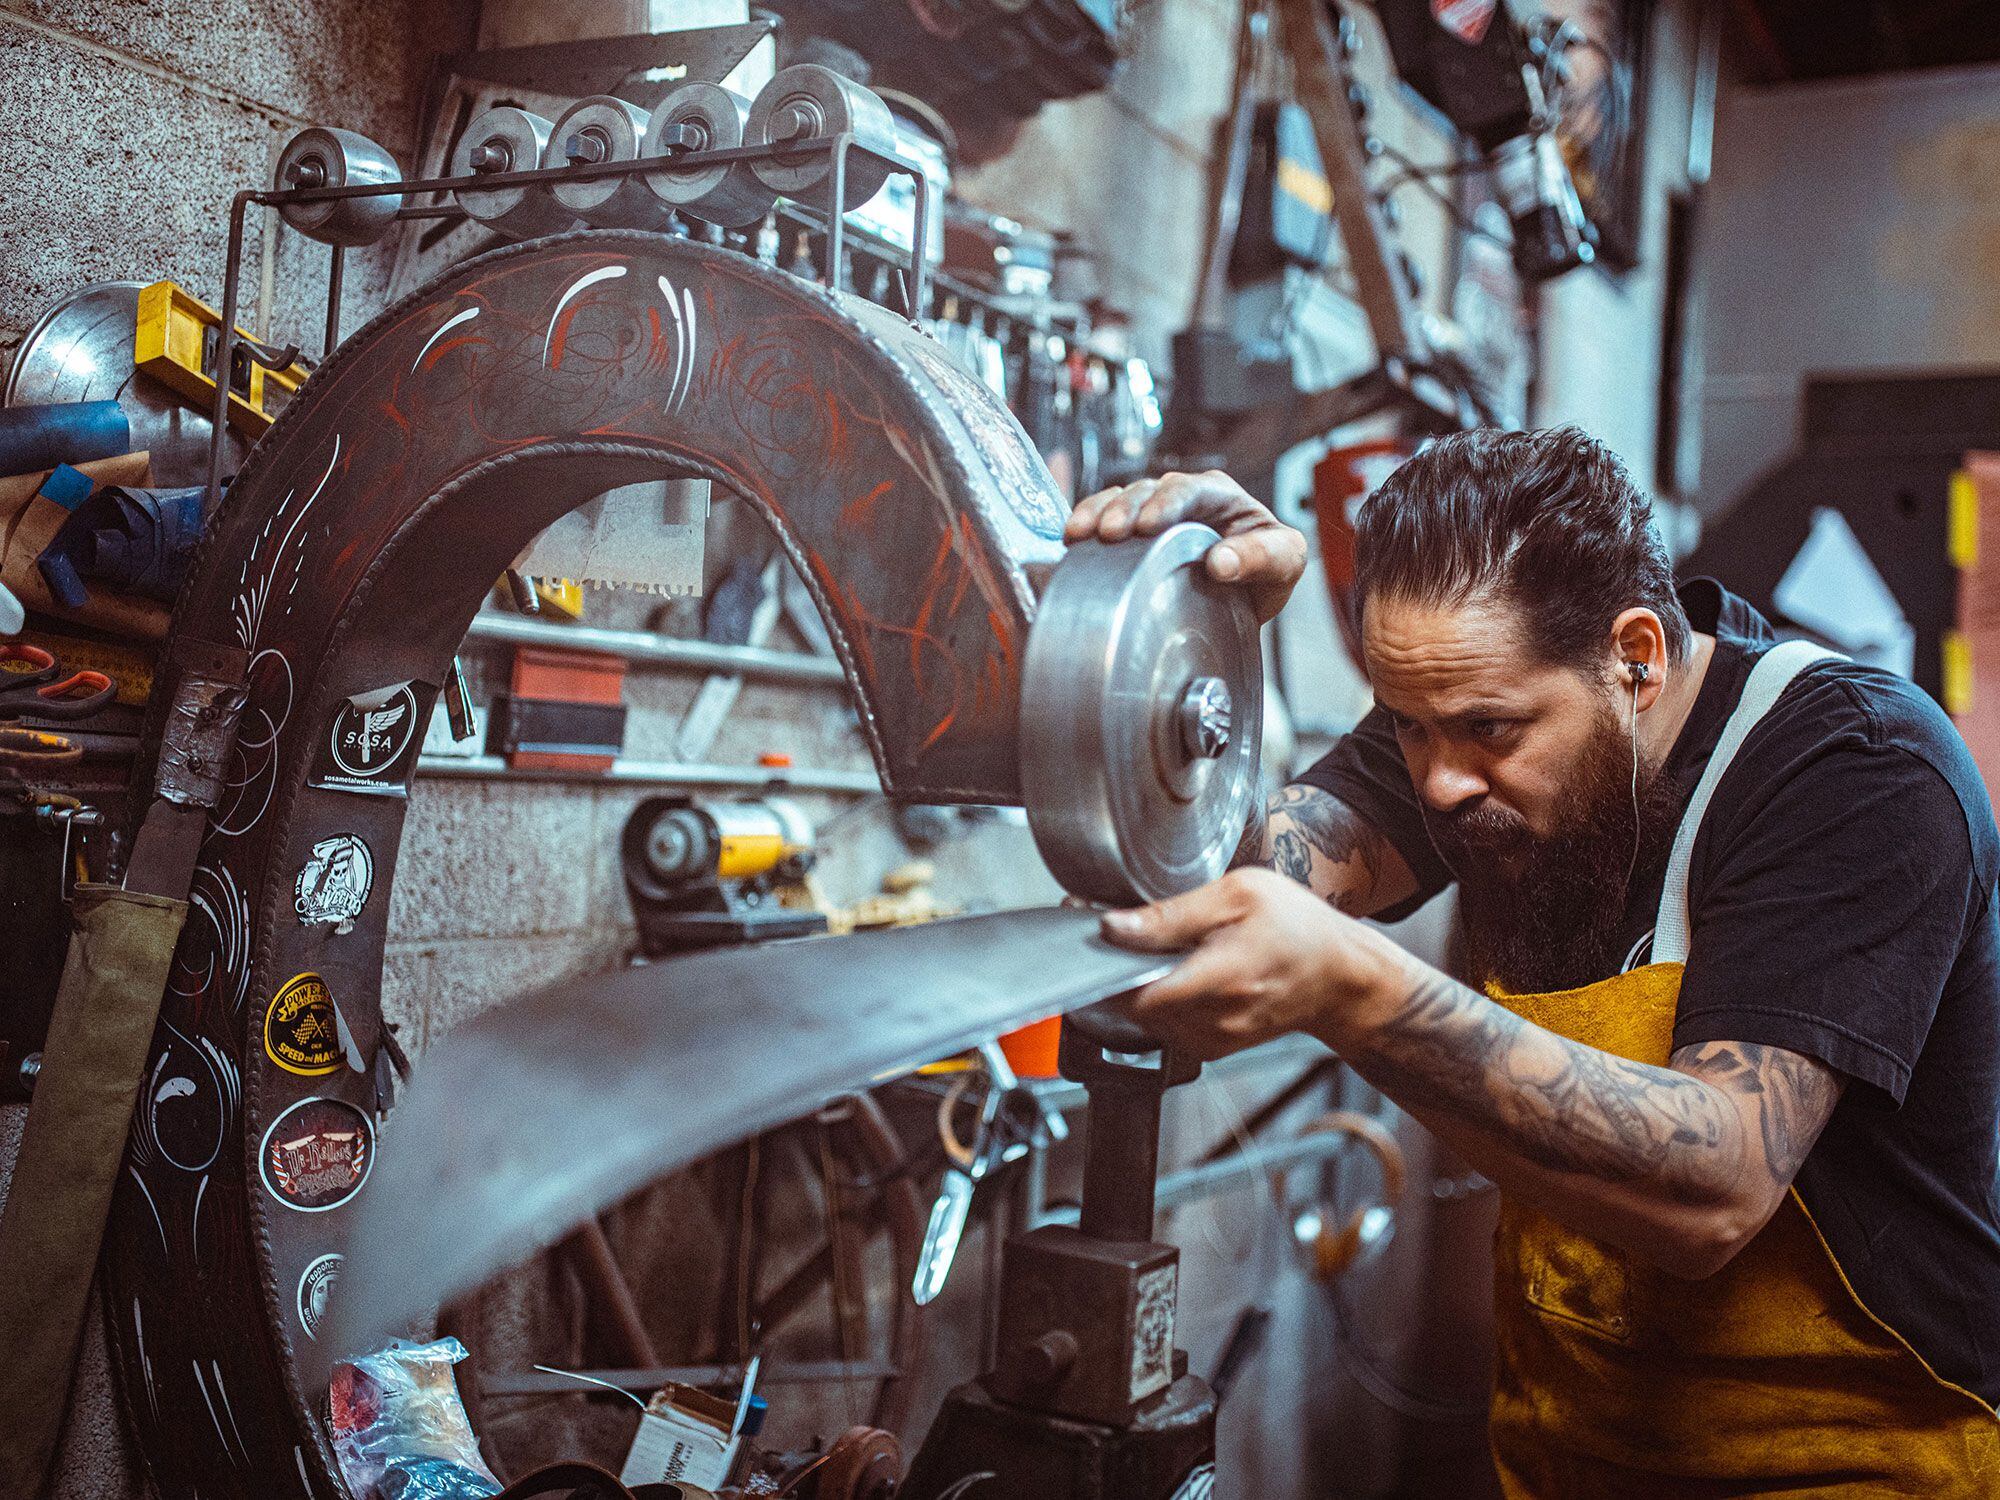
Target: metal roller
320, 156
806, 101
603, 129
507, 139
1142, 704
706, 117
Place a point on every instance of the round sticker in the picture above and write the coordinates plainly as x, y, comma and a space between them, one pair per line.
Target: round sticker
368, 741
315, 1283
301, 1034
316, 1155
334, 882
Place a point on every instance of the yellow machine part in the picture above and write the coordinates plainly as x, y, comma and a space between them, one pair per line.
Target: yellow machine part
176, 345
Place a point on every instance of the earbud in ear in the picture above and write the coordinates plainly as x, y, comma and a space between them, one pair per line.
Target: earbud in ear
1638, 671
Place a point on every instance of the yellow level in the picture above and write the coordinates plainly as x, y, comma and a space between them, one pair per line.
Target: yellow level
177, 338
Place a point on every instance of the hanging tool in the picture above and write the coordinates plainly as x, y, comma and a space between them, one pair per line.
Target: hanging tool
705, 117
32, 685
1013, 1120
509, 139
810, 102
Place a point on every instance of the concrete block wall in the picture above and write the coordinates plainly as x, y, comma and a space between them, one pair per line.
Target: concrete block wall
134, 123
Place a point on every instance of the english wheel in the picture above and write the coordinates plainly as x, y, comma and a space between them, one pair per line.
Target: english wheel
1142, 705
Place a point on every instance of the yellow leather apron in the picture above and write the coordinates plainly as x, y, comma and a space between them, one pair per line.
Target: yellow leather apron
1615, 1379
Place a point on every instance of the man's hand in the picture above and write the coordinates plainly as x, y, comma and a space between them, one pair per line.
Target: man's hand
1269, 957
1680, 1165
1258, 552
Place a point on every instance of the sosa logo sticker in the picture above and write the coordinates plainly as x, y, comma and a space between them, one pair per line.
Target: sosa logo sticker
372, 742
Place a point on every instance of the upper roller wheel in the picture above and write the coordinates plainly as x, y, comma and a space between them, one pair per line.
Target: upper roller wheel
507, 139
808, 101
706, 117
603, 129
1142, 704
321, 157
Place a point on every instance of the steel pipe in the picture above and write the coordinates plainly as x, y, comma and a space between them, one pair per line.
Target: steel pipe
662, 773
642, 645
1191, 1183
802, 1372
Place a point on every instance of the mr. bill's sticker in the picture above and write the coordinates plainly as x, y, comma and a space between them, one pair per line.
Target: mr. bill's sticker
334, 882
372, 742
317, 1154
315, 1285
301, 1030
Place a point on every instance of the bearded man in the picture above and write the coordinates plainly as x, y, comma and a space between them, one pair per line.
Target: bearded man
1734, 1060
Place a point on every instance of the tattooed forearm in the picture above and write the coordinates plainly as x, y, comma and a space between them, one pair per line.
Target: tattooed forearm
1794, 1095
1561, 1105
1314, 838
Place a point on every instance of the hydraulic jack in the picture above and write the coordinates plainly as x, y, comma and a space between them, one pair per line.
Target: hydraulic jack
1088, 1398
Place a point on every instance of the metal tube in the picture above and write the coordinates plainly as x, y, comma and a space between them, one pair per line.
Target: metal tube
604, 1279
663, 773
920, 260
641, 645
336, 273
836, 219
543, 1383
1191, 1183
225, 346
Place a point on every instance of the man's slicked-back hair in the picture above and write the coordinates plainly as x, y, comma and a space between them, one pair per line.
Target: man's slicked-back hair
1547, 521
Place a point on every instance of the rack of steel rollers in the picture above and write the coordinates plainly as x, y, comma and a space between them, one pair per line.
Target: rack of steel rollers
308, 174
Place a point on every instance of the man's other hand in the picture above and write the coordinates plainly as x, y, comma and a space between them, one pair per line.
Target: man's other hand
1258, 552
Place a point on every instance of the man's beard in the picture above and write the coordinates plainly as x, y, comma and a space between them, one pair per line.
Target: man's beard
1543, 914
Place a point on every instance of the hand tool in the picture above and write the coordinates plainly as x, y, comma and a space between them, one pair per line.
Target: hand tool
702, 874
954, 1201
509, 139
322, 157
590, 132
32, 685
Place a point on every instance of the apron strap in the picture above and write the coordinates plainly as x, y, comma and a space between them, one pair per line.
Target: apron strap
1769, 678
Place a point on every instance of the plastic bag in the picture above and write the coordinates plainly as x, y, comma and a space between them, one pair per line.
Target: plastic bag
400, 1430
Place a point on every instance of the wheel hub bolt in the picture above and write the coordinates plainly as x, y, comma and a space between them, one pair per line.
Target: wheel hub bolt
1206, 718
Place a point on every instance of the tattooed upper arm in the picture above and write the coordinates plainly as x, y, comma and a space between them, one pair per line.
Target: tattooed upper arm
1316, 839
1793, 1095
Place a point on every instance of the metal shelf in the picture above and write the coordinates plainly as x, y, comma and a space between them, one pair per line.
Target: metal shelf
662, 773
644, 645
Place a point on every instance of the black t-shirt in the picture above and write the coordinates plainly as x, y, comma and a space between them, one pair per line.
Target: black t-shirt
1842, 906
